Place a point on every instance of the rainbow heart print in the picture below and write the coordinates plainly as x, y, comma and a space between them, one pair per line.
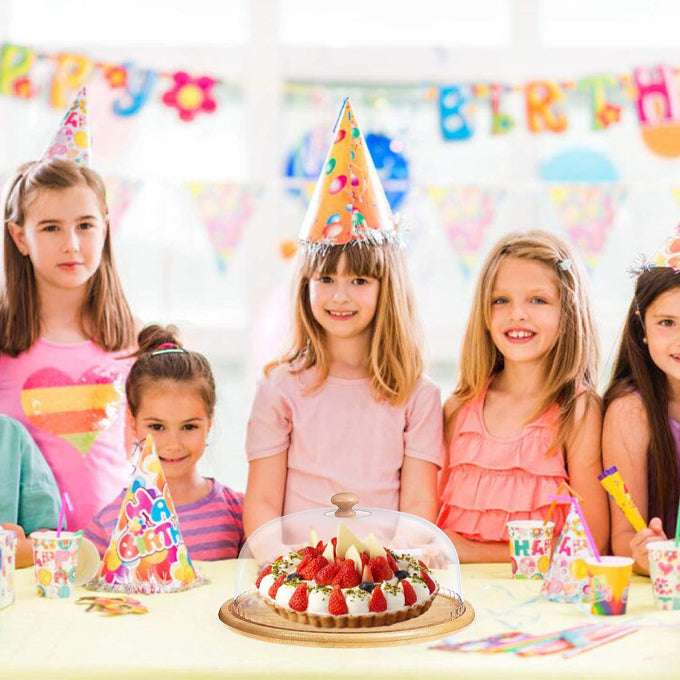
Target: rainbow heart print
77, 411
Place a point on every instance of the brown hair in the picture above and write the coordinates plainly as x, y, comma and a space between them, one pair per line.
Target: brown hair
105, 316
161, 357
571, 364
395, 361
635, 371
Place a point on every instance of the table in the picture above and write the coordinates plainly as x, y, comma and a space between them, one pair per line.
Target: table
181, 637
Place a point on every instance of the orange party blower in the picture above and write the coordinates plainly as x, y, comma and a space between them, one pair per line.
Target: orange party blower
612, 481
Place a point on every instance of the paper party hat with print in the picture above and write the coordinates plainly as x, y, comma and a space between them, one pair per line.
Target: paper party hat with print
72, 141
146, 553
567, 577
668, 254
349, 203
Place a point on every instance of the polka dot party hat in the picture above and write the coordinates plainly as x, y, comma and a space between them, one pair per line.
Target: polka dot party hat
72, 141
349, 203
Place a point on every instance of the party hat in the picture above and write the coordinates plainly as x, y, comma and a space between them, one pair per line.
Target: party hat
146, 553
349, 203
567, 577
72, 141
669, 253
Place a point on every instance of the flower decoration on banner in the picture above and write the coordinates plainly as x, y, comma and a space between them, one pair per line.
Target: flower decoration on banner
190, 95
116, 76
120, 192
306, 160
224, 209
466, 213
587, 212
23, 88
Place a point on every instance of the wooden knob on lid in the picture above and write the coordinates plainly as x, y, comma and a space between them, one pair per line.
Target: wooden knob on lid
345, 502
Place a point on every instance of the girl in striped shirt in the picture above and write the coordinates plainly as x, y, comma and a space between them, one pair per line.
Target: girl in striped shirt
171, 395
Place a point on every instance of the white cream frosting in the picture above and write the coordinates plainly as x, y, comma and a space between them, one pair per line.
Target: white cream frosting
317, 601
285, 592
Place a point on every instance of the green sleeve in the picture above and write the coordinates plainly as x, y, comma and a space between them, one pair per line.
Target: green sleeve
39, 496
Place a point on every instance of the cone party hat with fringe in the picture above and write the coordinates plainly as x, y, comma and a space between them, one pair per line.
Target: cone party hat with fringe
349, 204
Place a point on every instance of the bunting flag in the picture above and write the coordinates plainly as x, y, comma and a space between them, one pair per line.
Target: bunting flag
466, 213
224, 209
587, 212
120, 192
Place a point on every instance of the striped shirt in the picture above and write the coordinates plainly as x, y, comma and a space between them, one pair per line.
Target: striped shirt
212, 527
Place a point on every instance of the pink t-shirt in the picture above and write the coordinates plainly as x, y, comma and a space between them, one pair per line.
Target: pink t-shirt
339, 438
71, 398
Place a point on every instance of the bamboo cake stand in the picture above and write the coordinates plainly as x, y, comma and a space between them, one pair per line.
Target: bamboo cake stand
446, 615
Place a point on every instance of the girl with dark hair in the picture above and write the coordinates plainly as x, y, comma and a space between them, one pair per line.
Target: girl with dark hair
641, 432
171, 396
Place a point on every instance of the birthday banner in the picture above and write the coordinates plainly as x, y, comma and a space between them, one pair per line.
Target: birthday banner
587, 212
653, 92
466, 213
224, 209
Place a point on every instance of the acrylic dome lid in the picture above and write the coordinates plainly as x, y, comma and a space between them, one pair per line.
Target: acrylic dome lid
398, 532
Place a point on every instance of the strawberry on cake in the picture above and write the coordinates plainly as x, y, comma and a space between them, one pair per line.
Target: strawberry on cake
347, 583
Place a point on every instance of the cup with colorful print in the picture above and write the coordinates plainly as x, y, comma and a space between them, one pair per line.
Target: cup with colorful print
530, 545
8, 548
55, 560
609, 581
664, 570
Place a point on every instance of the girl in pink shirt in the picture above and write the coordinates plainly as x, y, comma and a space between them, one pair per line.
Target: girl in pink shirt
65, 328
525, 415
347, 408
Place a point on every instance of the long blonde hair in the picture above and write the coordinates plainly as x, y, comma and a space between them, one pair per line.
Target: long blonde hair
571, 364
395, 362
105, 311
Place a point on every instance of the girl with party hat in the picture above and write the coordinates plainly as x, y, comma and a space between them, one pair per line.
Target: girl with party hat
641, 432
525, 416
65, 325
347, 407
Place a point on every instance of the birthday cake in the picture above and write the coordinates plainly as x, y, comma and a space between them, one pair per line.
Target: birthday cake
347, 583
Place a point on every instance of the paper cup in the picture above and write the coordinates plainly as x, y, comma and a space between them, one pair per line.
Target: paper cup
8, 547
530, 544
55, 561
609, 581
664, 570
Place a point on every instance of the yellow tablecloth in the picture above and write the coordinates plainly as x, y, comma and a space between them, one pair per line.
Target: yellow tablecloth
182, 637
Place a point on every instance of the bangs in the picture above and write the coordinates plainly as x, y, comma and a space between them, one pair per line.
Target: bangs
361, 260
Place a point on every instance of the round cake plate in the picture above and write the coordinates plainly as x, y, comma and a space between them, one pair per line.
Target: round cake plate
444, 617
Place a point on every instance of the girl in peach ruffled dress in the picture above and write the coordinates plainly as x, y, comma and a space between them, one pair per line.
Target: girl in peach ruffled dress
525, 415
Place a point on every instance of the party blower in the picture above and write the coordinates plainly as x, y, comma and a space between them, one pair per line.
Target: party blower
612, 481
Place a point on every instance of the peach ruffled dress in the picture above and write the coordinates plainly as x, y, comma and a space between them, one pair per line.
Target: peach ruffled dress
488, 480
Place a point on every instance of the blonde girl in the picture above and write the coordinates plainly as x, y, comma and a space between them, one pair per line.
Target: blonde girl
525, 415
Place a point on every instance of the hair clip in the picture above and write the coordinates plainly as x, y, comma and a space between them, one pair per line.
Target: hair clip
565, 264
169, 350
